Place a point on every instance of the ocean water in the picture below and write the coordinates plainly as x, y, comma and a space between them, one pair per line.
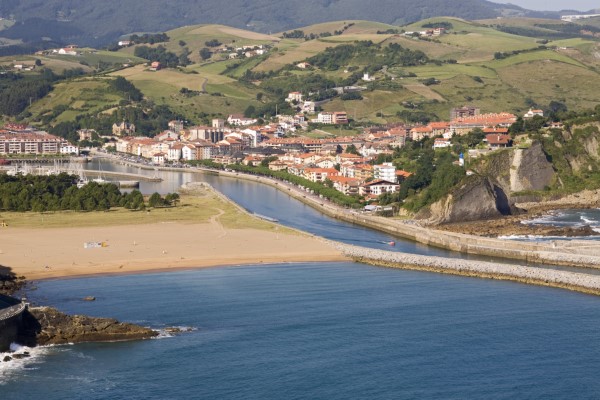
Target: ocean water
319, 331
574, 218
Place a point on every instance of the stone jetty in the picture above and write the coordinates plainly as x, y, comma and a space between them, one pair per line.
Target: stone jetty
576, 281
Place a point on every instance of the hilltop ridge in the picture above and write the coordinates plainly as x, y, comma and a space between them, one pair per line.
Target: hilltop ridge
95, 23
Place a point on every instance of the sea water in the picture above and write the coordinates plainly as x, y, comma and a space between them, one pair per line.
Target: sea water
319, 331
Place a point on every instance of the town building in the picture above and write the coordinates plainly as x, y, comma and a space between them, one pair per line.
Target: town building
25, 140
123, 129
385, 171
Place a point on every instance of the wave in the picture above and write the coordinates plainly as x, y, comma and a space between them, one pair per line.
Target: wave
589, 221
16, 366
536, 238
173, 331
542, 238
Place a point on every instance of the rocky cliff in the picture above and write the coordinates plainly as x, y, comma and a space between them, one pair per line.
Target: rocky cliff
477, 198
530, 169
47, 325
488, 194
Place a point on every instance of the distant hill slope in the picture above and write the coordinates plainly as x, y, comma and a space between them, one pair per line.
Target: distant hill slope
98, 22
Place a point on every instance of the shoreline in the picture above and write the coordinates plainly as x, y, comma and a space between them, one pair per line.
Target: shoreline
195, 266
152, 247
479, 269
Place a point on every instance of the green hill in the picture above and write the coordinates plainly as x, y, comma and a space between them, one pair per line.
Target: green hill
474, 63
94, 23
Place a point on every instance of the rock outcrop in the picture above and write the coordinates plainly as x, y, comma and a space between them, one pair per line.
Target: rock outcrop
47, 325
477, 198
9, 282
530, 169
489, 193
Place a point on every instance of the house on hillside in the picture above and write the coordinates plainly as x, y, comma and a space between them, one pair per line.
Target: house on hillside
497, 141
155, 66
440, 143
123, 129
532, 113
378, 187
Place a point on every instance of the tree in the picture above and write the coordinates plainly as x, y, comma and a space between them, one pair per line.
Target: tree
172, 198
212, 43
205, 53
155, 200
182, 43
352, 149
250, 112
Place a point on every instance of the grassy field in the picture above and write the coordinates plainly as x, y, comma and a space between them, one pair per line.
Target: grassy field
376, 101
83, 95
447, 71
477, 42
291, 52
164, 88
88, 60
544, 55
544, 81
195, 37
192, 209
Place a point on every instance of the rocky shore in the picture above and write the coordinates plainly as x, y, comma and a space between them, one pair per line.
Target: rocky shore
47, 325
511, 225
575, 281
583, 199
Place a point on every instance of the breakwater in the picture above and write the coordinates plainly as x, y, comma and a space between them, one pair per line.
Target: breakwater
11, 319
575, 281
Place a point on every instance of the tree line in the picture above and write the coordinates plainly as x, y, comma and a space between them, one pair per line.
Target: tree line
60, 192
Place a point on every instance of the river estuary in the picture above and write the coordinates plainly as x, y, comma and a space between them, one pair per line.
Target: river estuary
316, 330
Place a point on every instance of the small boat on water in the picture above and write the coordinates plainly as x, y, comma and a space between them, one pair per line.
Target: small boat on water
392, 243
270, 219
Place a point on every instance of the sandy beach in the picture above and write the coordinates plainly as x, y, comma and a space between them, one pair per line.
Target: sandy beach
59, 252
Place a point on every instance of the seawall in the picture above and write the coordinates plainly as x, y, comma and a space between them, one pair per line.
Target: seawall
575, 281
11, 319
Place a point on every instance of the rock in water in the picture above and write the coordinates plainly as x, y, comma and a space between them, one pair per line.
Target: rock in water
47, 325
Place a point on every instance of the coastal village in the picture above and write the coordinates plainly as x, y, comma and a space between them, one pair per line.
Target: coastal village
346, 163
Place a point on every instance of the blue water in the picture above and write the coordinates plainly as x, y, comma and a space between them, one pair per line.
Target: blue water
321, 331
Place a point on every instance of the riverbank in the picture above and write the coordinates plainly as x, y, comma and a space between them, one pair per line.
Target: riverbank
576, 253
